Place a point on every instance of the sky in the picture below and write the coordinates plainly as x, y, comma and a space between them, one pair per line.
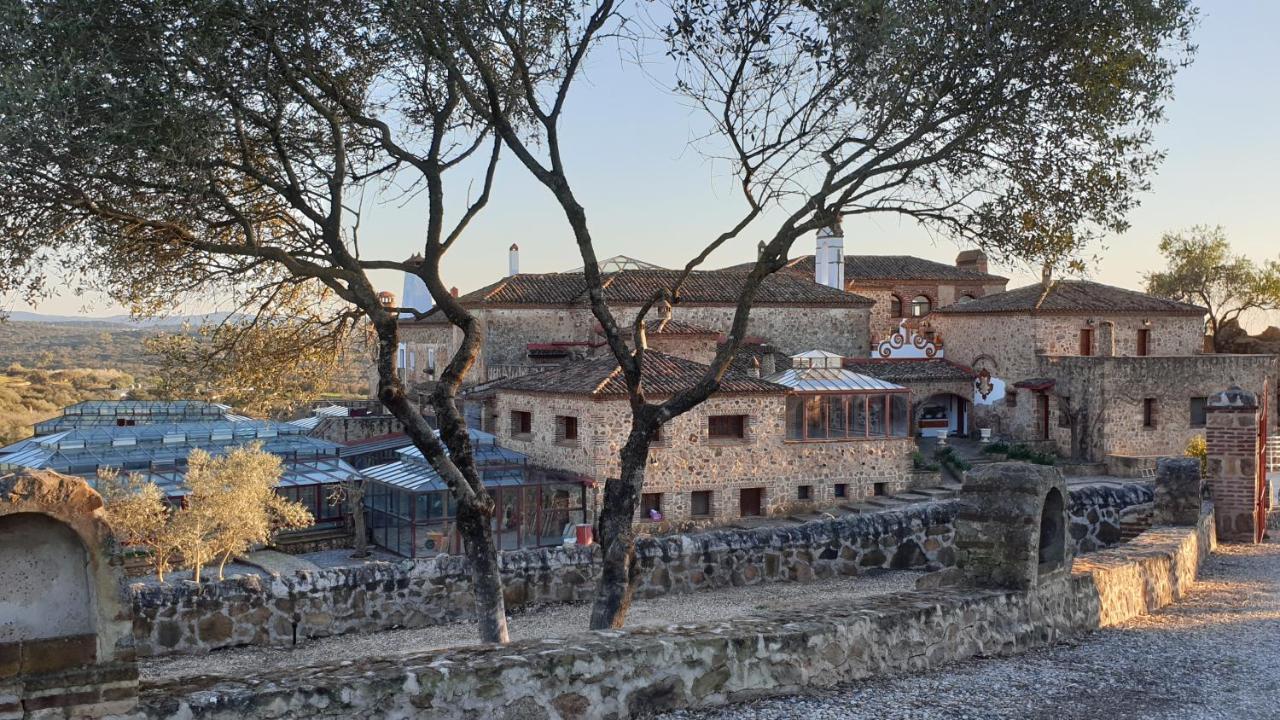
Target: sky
650, 195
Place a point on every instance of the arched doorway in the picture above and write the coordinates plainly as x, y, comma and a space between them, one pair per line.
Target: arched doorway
45, 591
942, 414
1053, 534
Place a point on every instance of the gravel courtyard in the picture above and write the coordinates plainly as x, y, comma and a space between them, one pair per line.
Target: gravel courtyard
1214, 655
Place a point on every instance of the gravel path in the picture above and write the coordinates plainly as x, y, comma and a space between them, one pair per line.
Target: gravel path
1215, 655
545, 622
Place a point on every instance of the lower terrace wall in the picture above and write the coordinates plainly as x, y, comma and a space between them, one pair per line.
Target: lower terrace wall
250, 610
622, 674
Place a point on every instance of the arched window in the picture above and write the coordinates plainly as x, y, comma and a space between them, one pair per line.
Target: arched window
921, 306
895, 306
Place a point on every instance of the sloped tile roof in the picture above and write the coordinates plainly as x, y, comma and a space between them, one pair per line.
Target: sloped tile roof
908, 370
671, 326
869, 268
1070, 296
714, 287
601, 377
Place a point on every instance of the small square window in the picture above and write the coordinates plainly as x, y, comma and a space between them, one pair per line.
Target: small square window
879, 489
651, 506
700, 503
804, 492
842, 490
727, 427
1199, 412
1149, 412
566, 429
521, 423
1011, 398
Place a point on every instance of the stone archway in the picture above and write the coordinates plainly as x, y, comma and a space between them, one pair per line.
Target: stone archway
66, 646
44, 580
942, 412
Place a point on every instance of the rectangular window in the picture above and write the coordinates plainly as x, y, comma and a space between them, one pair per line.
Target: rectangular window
899, 414
1149, 412
804, 492
750, 502
795, 417
700, 503
566, 429
876, 425
727, 427
521, 423
815, 418
1144, 342
842, 490
1064, 412
1199, 412
879, 489
1011, 398
651, 506
1086, 342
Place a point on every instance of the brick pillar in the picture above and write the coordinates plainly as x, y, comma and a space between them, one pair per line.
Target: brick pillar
1232, 435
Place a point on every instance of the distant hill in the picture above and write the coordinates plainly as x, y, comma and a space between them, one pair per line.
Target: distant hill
125, 320
77, 344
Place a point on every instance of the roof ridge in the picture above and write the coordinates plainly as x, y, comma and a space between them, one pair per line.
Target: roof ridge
499, 286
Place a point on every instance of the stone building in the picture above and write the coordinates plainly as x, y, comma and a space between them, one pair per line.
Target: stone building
1089, 369
544, 319
743, 452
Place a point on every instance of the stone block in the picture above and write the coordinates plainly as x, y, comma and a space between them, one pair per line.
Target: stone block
1178, 491
54, 654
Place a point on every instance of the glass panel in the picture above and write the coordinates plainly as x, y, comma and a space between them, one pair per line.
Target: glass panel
815, 418
795, 418
900, 415
558, 516
875, 415
529, 517
307, 496
857, 415
430, 506
508, 517
837, 415
432, 538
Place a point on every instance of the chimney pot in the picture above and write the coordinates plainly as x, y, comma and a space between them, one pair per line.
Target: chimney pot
454, 291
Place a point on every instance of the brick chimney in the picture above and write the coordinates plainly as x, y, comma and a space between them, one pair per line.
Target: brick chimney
975, 260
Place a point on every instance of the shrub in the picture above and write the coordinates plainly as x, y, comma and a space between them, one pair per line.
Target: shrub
918, 462
1198, 447
996, 448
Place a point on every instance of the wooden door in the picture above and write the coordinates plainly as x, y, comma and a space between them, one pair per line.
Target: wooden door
750, 501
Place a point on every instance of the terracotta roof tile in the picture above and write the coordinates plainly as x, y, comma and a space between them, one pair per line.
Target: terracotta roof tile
715, 287
601, 377
870, 268
910, 370
1070, 296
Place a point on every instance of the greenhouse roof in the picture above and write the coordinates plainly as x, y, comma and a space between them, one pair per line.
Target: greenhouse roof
831, 380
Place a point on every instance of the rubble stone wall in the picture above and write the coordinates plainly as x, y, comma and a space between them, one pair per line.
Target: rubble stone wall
624, 674
687, 460
183, 618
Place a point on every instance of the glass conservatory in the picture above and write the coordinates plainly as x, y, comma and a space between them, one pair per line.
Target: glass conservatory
828, 403
411, 512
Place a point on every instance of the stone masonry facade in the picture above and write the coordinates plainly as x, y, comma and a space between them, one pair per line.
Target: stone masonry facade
686, 460
184, 618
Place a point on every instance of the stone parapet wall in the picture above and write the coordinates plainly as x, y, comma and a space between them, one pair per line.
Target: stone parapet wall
625, 674
183, 618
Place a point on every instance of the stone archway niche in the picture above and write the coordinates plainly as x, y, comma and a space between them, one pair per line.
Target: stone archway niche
44, 580
1011, 531
66, 645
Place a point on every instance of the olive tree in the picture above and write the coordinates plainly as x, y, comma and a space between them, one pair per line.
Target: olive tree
1022, 128
224, 148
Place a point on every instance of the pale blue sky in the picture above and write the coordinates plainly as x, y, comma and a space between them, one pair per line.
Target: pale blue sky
649, 195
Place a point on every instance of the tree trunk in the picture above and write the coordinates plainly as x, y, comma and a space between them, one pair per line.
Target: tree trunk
222, 565
616, 536
476, 530
361, 539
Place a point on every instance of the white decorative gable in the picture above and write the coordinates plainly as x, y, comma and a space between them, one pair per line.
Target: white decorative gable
906, 343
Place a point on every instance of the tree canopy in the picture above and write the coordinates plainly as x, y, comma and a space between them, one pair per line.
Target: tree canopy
1202, 269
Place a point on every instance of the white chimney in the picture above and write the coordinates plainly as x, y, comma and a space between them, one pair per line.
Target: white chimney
513, 260
415, 294
828, 261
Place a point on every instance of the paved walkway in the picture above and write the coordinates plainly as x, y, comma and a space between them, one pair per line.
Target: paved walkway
1215, 655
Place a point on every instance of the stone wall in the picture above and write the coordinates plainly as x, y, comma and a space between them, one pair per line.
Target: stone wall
623, 674
183, 618
686, 460
940, 293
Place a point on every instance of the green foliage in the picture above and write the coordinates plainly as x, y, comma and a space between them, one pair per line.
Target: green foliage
66, 345
1203, 270
918, 462
1027, 454
996, 448
948, 456
1198, 447
28, 395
